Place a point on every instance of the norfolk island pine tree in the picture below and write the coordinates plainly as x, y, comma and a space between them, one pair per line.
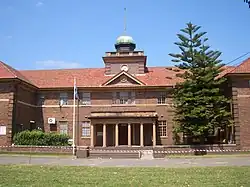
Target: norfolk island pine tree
199, 102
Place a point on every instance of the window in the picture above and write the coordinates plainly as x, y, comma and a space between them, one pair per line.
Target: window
2, 130
63, 127
86, 98
162, 128
63, 99
162, 98
124, 98
86, 129
41, 100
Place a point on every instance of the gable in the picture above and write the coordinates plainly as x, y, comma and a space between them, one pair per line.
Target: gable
123, 79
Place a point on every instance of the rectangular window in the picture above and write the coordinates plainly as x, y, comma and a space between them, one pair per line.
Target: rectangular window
41, 99
86, 129
2, 130
86, 98
124, 98
63, 99
161, 98
162, 128
63, 127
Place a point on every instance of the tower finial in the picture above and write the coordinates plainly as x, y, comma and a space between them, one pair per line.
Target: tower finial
125, 21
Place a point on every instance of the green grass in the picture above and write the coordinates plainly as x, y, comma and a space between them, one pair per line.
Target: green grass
25, 175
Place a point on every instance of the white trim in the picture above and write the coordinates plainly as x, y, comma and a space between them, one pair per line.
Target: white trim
110, 105
27, 104
123, 73
4, 99
243, 96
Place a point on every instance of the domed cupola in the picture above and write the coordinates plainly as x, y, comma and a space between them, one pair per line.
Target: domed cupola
125, 43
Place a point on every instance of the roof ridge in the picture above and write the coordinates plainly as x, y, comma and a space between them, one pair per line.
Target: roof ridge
8, 69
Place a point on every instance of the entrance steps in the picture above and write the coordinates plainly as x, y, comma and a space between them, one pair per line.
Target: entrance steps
147, 154
114, 154
121, 153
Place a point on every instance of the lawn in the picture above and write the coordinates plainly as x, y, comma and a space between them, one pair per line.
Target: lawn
23, 175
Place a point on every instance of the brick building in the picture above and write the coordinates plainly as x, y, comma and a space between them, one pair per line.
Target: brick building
124, 103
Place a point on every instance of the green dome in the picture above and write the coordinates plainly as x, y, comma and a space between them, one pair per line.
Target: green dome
125, 40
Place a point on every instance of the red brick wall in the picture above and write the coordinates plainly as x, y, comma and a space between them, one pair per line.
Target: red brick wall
241, 95
6, 109
25, 110
145, 100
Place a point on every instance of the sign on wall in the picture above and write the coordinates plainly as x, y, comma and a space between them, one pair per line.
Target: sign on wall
2, 130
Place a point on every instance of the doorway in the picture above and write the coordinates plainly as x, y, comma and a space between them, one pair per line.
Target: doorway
123, 134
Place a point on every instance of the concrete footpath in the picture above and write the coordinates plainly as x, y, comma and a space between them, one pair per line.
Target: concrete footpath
170, 163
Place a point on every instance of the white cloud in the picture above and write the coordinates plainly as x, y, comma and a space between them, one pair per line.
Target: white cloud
56, 64
39, 3
9, 37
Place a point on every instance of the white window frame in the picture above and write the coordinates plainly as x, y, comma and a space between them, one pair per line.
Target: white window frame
162, 98
85, 129
124, 97
62, 125
64, 98
162, 128
86, 98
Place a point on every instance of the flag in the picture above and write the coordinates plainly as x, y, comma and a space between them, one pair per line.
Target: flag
75, 90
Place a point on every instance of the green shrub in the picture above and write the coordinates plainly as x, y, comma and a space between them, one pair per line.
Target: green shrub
40, 138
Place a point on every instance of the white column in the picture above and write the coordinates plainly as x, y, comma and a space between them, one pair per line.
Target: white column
116, 135
154, 134
129, 134
141, 136
92, 135
104, 137
133, 132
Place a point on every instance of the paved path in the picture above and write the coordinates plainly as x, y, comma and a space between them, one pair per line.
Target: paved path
173, 162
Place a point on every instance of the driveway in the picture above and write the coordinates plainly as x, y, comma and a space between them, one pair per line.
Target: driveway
170, 163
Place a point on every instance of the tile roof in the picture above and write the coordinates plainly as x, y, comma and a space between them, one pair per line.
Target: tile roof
7, 72
62, 78
244, 67
95, 77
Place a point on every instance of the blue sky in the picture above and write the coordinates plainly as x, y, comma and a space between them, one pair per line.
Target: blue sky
48, 34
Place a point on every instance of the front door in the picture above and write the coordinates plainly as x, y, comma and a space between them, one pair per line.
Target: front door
123, 134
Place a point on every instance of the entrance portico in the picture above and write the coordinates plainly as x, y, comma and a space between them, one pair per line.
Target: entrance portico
123, 129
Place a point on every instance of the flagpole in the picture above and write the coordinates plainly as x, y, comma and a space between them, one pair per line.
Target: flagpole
74, 115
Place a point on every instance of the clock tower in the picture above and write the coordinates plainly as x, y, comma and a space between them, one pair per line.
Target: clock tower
125, 58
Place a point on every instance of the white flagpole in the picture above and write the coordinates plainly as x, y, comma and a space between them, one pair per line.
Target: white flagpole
74, 115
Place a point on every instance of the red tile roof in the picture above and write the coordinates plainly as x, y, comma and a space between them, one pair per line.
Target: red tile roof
7, 72
87, 77
244, 67
95, 77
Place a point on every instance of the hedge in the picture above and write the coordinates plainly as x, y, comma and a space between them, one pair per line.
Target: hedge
40, 138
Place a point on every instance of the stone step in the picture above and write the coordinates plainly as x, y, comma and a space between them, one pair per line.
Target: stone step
147, 154
113, 155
